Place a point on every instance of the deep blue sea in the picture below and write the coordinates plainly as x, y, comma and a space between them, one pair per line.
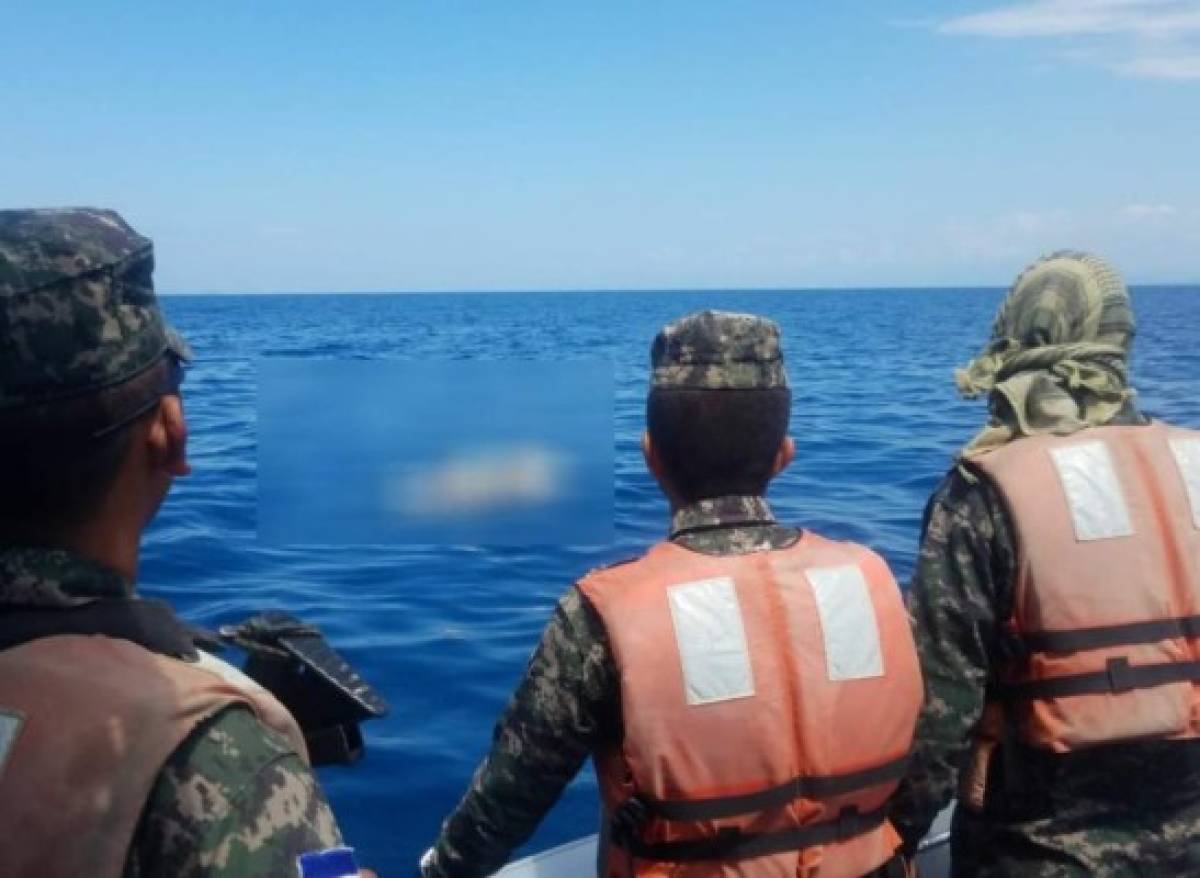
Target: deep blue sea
444, 633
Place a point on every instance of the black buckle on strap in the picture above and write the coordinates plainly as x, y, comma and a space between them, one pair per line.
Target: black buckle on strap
1120, 678
848, 822
1012, 647
627, 820
729, 837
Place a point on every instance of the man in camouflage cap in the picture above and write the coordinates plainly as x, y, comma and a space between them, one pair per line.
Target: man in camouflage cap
1041, 597
717, 421
124, 754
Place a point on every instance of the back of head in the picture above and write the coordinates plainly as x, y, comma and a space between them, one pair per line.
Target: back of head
86, 352
1057, 359
719, 404
1068, 297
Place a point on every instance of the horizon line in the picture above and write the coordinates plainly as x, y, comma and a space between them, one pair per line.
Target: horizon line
606, 290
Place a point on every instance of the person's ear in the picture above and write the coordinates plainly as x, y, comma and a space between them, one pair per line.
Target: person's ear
167, 438
653, 462
784, 456
655, 465
650, 455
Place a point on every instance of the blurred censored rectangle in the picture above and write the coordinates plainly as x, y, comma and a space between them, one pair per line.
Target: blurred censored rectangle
513, 453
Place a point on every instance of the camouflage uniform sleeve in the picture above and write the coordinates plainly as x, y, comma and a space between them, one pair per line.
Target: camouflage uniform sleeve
961, 593
565, 704
233, 800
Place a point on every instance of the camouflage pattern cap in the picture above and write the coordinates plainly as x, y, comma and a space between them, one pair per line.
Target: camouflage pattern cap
77, 305
717, 350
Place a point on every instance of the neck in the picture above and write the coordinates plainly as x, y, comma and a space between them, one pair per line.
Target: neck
113, 547
112, 537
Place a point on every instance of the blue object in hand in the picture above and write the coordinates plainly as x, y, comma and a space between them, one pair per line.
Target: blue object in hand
331, 863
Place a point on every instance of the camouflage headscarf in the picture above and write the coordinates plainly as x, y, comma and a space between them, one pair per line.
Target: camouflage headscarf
77, 307
1057, 361
717, 350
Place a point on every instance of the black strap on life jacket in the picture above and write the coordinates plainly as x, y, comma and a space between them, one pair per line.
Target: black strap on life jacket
151, 624
1129, 634
733, 844
814, 787
1118, 676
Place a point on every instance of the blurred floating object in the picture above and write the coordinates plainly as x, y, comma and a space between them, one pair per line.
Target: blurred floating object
481, 481
365, 452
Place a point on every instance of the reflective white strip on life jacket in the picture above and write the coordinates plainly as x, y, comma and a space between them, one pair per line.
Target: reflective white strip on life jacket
1187, 456
1093, 491
848, 624
10, 726
711, 638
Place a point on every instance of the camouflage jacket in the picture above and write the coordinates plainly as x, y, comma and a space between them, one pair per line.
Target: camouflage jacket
568, 704
234, 799
1127, 809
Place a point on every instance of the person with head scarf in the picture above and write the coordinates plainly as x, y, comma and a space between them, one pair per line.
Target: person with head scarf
1056, 605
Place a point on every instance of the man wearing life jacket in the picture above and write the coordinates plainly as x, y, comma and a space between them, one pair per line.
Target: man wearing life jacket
124, 751
1056, 605
747, 690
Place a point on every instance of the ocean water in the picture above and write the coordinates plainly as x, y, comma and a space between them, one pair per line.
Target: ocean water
444, 633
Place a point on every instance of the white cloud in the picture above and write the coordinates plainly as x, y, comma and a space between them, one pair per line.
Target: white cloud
1176, 67
1150, 39
1034, 222
1141, 212
1063, 18
1148, 240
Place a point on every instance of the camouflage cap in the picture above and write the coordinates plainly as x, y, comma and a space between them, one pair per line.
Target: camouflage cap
717, 350
77, 306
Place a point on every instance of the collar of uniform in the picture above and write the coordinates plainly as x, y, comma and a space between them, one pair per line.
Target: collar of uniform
721, 512
55, 578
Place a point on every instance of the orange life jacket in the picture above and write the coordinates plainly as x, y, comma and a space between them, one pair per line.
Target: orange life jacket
86, 724
768, 702
1106, 621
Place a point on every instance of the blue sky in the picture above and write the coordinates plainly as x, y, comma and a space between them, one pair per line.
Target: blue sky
565, 145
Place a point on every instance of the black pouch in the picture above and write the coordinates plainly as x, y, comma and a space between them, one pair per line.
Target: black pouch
293, 661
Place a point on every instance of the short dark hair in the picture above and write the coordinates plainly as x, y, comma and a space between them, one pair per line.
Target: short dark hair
714, 443
54, 470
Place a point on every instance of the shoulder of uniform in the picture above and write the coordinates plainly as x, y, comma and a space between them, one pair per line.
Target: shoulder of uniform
229, 747
603, 568
212, 769
963, 483
233, 789
965, 505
